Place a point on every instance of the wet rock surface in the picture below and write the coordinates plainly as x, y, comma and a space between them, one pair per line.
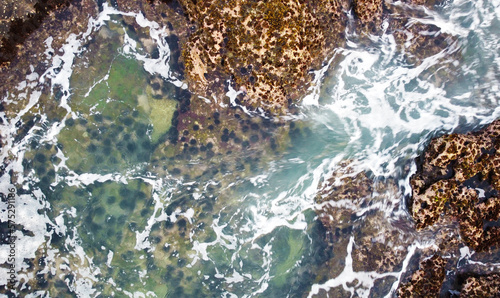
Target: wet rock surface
30, 28
426, 281
481, 286
454, 206
455, 197
416, 40
267, 50
459, 180
380, 245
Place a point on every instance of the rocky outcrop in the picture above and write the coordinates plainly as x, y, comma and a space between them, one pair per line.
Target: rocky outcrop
24, 29
427, 281
19, 20
455, 206
481, 286
459, 179
350, 204
456, 198
265, 48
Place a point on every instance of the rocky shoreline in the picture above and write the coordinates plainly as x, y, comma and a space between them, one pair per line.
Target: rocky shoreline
265, 51
457, 185
455, 205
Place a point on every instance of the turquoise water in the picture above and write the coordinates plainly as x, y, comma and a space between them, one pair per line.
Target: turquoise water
106, 209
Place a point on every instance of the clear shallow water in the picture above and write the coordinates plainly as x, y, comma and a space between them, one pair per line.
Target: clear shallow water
101, 216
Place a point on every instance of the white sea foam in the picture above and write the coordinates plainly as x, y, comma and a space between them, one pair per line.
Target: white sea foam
28, 206
389, 112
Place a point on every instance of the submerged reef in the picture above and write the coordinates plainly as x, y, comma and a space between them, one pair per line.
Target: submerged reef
115, 128
379, 245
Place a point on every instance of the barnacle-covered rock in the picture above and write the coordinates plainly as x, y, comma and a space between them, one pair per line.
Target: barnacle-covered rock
458, 179
427, 281
265, 48
449, 212
455, 199
437, 277
481, 286
369, 13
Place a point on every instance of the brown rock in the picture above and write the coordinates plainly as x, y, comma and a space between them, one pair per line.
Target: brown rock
369, 13
264, 48
23, 37
453, 169
481, 286
427, 281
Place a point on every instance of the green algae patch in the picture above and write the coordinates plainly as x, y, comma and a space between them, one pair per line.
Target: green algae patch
107, 217
111, 133
160, 111
161, 115
125, 81
288, 249
107, 82
90, 69
104, 145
